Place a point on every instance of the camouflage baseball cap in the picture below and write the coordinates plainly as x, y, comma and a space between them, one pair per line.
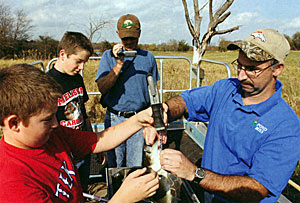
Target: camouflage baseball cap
129, 26
263, 45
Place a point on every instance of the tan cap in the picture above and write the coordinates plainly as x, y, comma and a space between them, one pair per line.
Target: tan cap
129, 26
263, 45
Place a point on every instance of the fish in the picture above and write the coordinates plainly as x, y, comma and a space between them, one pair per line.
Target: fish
169, 184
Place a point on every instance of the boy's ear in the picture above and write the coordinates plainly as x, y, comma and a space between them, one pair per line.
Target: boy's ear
12, 122
62, 54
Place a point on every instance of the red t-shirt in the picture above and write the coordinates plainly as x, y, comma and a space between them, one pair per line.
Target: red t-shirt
46, 174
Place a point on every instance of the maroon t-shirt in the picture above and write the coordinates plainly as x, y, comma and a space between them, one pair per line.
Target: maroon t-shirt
45, 174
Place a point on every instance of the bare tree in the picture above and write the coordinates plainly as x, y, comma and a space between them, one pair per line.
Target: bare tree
94, 27
22, 26
6, 22
215, 18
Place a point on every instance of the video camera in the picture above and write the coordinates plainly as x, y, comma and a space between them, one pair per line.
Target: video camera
124, 53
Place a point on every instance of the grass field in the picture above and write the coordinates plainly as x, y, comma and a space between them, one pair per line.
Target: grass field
176, 76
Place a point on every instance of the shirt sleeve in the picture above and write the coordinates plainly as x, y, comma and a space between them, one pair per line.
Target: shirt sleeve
81, 143
105, 65
200, 101
155, 72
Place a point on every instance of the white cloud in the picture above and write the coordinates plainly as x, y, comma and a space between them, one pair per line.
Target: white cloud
161, 20
294, 23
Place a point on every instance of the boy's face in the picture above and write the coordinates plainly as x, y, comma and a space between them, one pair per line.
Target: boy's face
38, 130
74, 63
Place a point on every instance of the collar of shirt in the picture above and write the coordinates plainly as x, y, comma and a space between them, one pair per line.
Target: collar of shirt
260, 108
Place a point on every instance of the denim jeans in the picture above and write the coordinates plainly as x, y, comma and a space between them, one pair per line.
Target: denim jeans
130, 152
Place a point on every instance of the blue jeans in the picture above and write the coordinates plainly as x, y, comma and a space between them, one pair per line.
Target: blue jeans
130, 152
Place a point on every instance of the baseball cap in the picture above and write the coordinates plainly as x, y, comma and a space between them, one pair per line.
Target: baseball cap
263, 45
129, 26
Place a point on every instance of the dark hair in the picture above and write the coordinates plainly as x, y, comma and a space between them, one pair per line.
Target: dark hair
72, 42
25, 91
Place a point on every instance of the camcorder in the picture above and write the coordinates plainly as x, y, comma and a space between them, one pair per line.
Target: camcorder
124, 53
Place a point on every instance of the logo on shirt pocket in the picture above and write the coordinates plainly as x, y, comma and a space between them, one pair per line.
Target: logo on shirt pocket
259, 127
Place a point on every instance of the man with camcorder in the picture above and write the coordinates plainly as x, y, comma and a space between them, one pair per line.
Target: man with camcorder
121, 79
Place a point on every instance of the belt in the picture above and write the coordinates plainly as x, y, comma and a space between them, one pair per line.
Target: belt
125, 114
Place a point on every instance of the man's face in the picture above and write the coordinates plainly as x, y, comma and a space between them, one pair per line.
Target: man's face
130, 43
38, 130
259, 85
74, 63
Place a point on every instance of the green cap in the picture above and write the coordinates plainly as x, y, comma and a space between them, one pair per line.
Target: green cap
263, 45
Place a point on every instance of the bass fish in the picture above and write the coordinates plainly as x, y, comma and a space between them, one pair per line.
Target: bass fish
169, 184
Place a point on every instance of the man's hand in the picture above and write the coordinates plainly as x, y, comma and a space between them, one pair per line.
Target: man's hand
137, 187
175, 162
116, 49
165, 108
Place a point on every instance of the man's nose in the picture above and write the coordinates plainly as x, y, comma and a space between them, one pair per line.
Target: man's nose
242, 75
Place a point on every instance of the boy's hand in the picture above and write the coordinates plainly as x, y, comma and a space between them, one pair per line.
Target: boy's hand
145, 117
150, 136
137, 187
102, 158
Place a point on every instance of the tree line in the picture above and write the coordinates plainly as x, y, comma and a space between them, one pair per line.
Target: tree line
16, 39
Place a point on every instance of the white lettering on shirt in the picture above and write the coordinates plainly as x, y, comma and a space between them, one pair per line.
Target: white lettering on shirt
260, 128
66, 181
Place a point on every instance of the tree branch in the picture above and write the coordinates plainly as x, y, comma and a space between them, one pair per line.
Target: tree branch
197, 16
221, 19
187, 18
221, 32
210, 10
223, 8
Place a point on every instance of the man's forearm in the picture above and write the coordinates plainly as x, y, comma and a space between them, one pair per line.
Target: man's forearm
234, 188
176, 108
108, 81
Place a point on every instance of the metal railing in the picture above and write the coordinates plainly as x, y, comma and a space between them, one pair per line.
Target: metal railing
40, 63
161, 63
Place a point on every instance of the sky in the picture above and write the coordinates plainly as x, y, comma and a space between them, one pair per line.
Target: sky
161, 20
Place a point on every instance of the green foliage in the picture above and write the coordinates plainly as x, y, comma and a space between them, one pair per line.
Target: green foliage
296, 40
183, 46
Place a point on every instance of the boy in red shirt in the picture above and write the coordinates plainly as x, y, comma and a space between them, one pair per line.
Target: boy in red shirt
37, 154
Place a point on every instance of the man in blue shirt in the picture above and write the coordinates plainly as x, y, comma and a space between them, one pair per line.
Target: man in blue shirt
123, 85
252, 142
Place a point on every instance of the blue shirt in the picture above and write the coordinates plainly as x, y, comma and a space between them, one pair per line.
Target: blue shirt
130, 92
261, 141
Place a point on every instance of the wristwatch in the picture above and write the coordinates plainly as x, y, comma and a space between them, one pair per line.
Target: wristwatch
199, 175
